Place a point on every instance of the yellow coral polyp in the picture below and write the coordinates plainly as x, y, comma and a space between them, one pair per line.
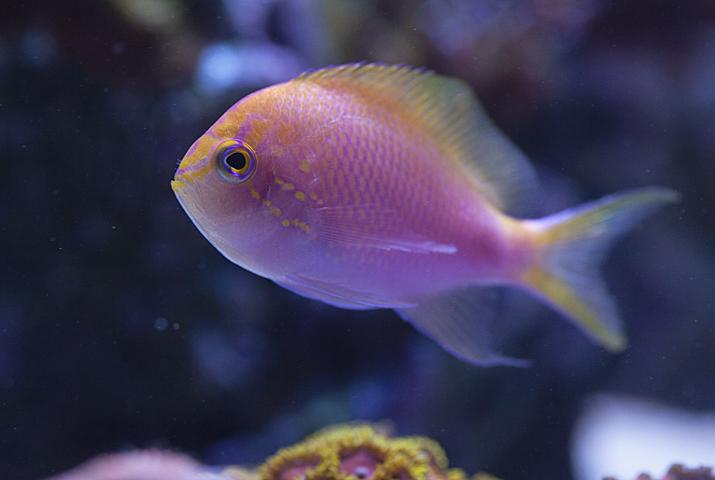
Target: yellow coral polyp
321, 456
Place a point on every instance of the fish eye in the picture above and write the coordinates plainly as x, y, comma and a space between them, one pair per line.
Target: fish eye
236, 162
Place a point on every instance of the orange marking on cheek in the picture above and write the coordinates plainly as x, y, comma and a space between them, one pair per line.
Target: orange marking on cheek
301, 225
300, 196
315, 198
275, 211
284, 185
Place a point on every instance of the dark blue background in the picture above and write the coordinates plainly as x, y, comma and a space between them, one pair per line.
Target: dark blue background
120, 326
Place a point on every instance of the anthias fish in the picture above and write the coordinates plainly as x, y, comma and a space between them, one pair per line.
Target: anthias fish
370, 186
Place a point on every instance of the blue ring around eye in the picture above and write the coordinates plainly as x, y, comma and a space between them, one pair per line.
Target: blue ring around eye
236, 161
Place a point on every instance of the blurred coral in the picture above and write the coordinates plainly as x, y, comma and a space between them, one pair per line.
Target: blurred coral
343, 452
679, 472
138, 465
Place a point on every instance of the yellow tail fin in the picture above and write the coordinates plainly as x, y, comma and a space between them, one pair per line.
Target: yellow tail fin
570, 246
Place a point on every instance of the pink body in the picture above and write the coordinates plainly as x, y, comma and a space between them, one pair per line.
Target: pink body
368, 186
352, 204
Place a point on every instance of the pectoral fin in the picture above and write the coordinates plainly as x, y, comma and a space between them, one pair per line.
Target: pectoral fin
460, 321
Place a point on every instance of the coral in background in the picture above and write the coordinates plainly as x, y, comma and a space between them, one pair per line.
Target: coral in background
346, 452
342, 452
138, 465
362, 452
679, 472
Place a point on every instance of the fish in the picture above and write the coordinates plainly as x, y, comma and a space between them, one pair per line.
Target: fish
371, 186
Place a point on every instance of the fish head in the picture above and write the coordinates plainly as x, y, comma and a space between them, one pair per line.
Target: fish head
226, 183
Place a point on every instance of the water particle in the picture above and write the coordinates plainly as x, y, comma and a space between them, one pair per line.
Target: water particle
119, 48
161, 324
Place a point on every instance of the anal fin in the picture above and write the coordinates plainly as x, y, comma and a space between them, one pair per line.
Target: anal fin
460, 322
339, 294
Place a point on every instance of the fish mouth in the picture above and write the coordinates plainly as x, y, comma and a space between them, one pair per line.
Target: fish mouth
180, 188
177, 184
185, 192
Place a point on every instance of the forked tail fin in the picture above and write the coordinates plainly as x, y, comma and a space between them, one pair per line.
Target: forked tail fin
570, 246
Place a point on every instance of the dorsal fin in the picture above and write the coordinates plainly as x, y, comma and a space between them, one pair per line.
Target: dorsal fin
448, 110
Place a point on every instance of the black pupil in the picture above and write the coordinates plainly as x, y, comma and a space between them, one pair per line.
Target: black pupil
237, 160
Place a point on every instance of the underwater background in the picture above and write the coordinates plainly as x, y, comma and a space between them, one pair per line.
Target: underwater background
122, 327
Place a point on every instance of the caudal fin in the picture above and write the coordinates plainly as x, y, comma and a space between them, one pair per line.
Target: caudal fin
570, 246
